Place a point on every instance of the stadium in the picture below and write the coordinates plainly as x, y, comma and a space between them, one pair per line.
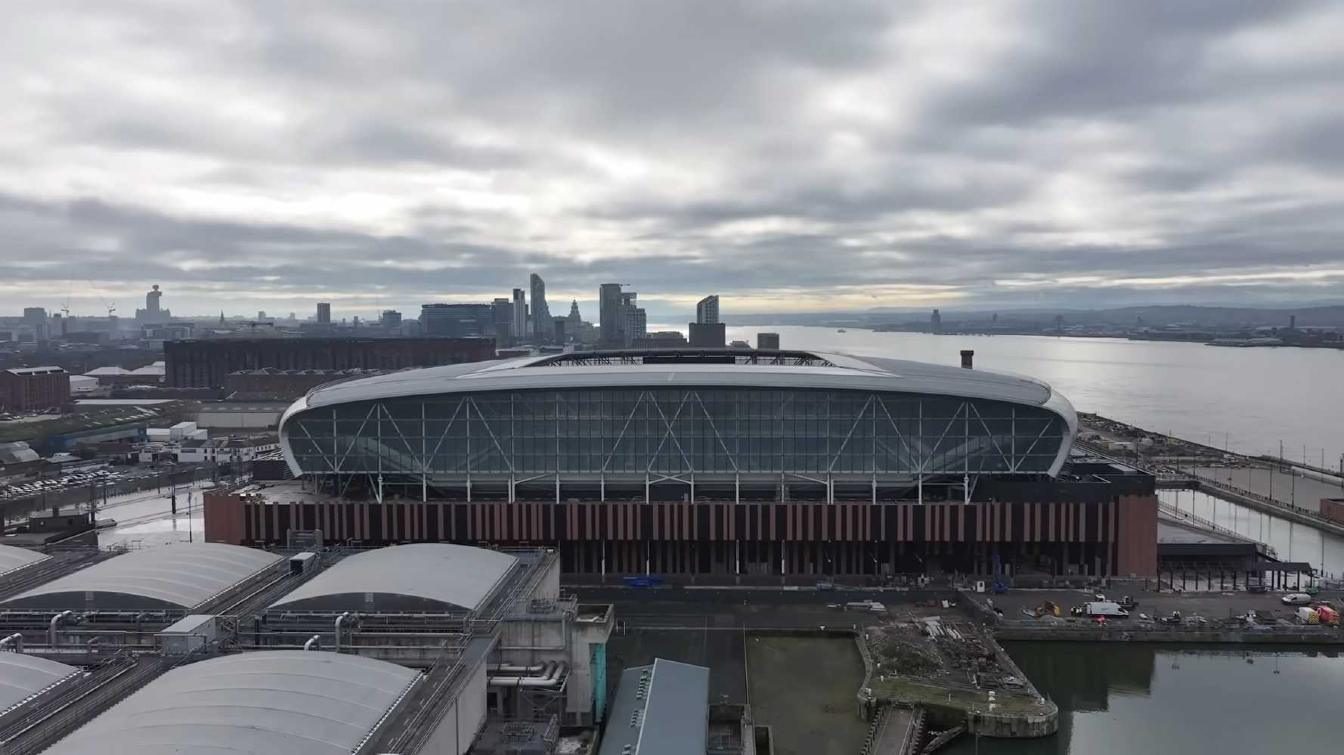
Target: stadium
708, 462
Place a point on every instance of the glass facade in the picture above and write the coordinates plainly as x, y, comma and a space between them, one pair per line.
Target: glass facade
629, 433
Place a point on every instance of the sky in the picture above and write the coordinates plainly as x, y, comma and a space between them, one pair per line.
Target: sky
788, 156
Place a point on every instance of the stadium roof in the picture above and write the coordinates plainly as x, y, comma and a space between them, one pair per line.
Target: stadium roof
175, 576
419, 576
283, 701
661, 709
12, 558
798, 370
22, 676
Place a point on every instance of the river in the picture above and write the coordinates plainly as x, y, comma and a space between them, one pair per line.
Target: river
1143, 698
1247, 399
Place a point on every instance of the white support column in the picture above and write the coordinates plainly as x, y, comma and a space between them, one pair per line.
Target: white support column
737, 487
424, 456
602, 487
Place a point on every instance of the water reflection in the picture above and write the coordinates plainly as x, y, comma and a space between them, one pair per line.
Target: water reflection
1134, 697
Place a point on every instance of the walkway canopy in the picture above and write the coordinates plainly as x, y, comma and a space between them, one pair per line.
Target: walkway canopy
423, 577
285, 701
174, 576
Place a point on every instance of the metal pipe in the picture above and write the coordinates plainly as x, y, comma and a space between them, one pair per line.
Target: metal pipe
51, 628
313, 643
15, 639
512, 668
339, 621
551, 678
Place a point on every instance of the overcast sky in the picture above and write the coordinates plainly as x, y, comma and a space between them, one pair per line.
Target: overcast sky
787, 156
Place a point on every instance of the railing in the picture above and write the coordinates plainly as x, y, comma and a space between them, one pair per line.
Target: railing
1170, 510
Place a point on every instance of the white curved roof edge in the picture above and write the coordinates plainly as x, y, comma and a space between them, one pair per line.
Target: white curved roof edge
13, 559
457, 575
847, 372
181, 574
23, 676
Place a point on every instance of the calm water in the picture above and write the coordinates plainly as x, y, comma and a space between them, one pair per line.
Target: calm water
1141, 698
1248, 399
1291, 541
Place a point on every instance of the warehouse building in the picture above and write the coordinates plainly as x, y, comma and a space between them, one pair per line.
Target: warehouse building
278, 702
423, 648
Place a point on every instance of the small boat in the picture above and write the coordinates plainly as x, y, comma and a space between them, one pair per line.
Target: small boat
842, 330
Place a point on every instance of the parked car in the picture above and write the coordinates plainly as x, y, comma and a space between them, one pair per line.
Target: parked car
1296, 599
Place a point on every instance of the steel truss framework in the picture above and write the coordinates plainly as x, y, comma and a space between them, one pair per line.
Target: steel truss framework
723, 438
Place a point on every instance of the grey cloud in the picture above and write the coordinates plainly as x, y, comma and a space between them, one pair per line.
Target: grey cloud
417, 150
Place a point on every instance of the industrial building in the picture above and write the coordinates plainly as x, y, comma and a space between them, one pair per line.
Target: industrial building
423, 648
731, 462
206, 363
25, 389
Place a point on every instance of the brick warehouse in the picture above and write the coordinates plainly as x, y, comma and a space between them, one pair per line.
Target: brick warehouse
205, 363
731, 462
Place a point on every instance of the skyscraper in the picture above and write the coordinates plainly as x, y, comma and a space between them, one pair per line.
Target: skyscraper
324, 313
152, 300
519, 314
503, 317
543, 327
636, 324
707, 310
610, 318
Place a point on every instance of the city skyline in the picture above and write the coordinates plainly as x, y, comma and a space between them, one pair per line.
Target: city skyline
849, 157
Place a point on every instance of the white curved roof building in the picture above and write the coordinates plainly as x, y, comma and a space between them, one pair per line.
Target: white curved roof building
422, 577
172, 577
284, 701
627, 419
22, 676
13, 559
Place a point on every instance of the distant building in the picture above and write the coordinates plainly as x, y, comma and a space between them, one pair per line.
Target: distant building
36, 320
502, 317
936, 322
558, 334
25, 389
543, 326
390, 319
706, 335
767, 341
271, 384
707, 310
323, 313
519, 314
574, 322
610, 317
154, 313
636, 324
457, 320
205, 364
662, 339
